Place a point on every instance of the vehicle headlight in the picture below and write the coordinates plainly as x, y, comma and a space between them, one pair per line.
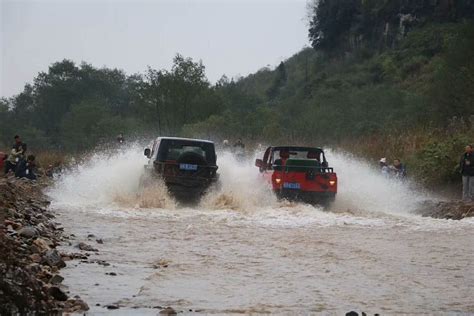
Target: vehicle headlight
332, 182
277, 180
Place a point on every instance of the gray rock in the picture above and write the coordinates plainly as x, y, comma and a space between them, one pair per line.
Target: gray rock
56, 279
53, 259
86, 247
28, 232
57, 293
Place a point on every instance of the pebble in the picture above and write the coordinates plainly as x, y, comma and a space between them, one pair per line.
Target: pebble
86, 247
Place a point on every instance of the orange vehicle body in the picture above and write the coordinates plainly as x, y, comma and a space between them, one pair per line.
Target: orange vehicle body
299, 173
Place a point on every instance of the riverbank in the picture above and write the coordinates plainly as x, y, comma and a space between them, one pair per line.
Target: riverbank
30, 264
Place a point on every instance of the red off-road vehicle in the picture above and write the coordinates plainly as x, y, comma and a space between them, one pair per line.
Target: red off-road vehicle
299, 173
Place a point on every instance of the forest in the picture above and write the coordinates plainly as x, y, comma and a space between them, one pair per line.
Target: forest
382, 78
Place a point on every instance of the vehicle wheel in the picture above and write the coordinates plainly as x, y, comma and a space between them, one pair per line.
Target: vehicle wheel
145, 181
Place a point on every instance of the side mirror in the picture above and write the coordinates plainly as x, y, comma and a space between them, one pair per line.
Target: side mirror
259, 163
147, 152
325, 164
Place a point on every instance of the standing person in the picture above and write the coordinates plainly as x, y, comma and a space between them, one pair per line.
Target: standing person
239, 144
120, 139
398, 169
467, 172
19, 145
225, 144
384, 167
239, 149
25, 168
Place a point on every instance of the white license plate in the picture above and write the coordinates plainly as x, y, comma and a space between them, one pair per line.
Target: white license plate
290, 185
186, 166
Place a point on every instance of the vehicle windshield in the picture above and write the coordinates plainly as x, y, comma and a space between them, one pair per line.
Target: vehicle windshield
297, 154
171, 149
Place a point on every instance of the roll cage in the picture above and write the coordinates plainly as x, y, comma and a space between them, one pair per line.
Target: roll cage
272, 159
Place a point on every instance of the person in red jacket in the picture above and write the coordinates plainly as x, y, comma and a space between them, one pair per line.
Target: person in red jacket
3, 157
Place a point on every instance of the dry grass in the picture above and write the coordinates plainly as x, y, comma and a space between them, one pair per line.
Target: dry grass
44, 159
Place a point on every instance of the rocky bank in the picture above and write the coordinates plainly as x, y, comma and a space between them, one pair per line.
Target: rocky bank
453, 209
30, 280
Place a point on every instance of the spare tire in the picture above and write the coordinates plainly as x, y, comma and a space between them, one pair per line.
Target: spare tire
193, 158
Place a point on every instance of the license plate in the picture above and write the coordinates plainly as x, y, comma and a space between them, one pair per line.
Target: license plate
293, 186
186, 166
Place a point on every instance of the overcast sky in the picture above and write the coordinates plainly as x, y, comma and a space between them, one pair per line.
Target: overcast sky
232, 37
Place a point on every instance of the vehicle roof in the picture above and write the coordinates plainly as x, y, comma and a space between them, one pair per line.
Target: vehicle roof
297, 148
185, 139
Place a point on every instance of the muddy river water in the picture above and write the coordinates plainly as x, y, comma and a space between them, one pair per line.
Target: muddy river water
241, 251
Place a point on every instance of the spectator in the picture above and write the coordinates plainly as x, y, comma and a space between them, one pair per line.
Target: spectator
398, 169
239, 144
467, 172
16, 155
384, 167
239, 149
225, 144
19, 145
120, 139
25, 168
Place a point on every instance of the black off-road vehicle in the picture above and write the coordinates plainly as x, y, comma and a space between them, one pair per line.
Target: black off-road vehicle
187, 166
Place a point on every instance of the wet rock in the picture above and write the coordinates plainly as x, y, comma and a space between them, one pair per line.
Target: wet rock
36, 258
168, 311
28, 232
352, 313
455, 210
57, 293
53, 259
111, 273
112, 306
42, 244
86, 247
75, 305
56, 279
99, 241
90, 236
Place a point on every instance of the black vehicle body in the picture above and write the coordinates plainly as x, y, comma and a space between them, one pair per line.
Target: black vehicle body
187, 166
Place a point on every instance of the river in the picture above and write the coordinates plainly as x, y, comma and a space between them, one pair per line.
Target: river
242, 251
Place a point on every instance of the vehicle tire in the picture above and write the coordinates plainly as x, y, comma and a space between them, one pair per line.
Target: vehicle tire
145, 180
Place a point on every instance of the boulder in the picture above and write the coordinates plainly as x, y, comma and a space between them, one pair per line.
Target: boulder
86, 247
42, 244
28, 232
53, 258
56, 279
57, 293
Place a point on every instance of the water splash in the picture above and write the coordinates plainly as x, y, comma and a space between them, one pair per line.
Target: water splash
110, 180
96, 181
241, 187
362, 187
